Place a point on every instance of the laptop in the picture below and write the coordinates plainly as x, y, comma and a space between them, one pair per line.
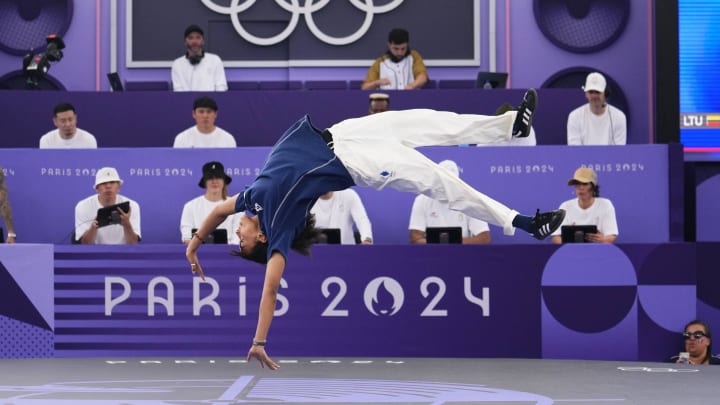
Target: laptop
329, 236
217, 237
115, 82
109, 215
444, 235
576, 233
491, 80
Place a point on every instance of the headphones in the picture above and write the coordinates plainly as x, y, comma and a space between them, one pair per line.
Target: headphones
607, 93
612, 127
195, 59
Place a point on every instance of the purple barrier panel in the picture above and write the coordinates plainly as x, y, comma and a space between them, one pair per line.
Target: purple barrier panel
634, 178
381, 301
500, 301
708, 302
45, 185
256, 118
26, 301
707, 215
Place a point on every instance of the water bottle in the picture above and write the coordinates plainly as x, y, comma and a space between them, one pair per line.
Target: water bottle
684, 358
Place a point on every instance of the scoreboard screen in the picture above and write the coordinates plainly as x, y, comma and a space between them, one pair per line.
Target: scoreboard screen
699, 50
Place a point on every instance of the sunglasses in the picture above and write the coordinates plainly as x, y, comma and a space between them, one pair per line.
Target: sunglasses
695, 335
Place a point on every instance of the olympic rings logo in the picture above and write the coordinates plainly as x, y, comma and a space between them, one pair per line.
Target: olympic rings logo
293, 7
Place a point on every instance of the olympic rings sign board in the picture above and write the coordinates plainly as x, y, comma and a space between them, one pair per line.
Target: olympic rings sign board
296, 10
290, 33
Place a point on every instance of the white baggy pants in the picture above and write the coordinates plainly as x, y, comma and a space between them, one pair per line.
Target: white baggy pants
378, 150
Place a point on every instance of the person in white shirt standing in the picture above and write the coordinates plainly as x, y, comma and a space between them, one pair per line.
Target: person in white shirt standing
339, 210
124, 230
427, 213
597, 122
204, 134
198, 70
589, 209
67, 135
215, 182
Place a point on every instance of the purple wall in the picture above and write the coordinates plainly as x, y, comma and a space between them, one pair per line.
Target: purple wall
532, 58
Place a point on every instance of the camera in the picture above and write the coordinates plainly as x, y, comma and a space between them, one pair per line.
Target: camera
35, 66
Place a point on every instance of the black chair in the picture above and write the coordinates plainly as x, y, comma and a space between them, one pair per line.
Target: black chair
456, 84
326, 85
147, 86
242, 85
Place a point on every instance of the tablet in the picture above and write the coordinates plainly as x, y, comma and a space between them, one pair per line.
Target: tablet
329, 236
444, 235
576, 233
109, 215
218, 236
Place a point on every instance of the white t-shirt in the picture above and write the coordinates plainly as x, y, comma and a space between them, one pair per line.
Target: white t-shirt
196, 210
427, 213
340, 211
86, 211
601, 213
192, 138
81, 140
208, 75
586, 128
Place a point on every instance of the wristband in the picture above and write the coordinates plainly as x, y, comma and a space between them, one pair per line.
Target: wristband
260, 343
195, 234
11, 235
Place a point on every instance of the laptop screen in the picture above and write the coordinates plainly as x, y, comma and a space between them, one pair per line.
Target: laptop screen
576, 233
115, 82
444, 235
218, 236
329, 236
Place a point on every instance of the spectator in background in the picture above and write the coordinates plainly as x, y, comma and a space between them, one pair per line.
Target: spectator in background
215, 182
589, 209
204, 134
339, 210
379, 102
5, 210
427, 212
198, 70
126, 231
597, 122
399, 68
67, 135
698, 345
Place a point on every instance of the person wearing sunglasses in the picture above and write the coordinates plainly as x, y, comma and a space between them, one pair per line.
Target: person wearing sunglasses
698, 345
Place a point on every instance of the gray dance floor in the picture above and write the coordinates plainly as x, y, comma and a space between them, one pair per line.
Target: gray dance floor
353, 381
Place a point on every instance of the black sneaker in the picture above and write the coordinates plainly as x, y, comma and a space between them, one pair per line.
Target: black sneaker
545, 223
523, 121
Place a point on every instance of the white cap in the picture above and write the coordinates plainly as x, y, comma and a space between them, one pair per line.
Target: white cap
106, 175
595, 82
450, 166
